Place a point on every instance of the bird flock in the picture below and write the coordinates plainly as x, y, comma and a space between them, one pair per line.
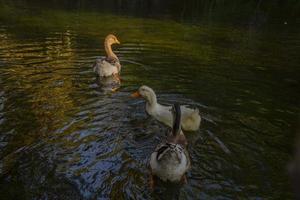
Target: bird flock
170, 160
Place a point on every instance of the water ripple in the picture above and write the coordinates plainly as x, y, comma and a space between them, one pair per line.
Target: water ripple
60, 133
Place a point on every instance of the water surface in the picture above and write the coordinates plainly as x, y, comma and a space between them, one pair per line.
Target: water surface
63, 137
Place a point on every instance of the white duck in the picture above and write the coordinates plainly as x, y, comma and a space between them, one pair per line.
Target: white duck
190, 117
109, 65
170, 160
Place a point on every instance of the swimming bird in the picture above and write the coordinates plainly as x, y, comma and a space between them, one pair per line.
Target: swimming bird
190, 117
170, 160
109, 65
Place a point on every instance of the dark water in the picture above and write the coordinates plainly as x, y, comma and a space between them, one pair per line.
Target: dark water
62, 137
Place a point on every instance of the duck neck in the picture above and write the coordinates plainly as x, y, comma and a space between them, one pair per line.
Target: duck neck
108, 50
151, 100
177, 120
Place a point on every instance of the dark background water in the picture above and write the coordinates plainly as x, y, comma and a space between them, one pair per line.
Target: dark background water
62, 137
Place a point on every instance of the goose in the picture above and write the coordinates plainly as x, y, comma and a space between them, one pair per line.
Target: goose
109, 65
170, 161
190, 117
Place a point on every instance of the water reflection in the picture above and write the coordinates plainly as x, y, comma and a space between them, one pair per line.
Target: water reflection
109, 84
63, 137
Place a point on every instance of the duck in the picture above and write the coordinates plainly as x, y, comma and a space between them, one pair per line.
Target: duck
190, 117
109, 65
170, 160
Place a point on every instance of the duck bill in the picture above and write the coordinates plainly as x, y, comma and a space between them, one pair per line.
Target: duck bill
118, 42
136, 94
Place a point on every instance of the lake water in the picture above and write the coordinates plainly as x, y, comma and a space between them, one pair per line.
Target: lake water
62, 137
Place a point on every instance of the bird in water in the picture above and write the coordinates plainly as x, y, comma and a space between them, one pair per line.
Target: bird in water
109, 65
190, 117
170, 161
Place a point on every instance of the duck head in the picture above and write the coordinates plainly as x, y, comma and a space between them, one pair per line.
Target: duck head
111, 39
147, 93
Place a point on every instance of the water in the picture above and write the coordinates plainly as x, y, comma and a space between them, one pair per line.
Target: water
63, 137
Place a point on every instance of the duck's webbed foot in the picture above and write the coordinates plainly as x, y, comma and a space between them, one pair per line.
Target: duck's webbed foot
151, 182
117, 77
114, 89
183, 179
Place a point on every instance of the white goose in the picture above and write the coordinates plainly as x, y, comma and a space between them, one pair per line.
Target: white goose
109, 65
190, 117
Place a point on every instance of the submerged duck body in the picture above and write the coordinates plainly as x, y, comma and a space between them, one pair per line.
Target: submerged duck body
170, 160
109, 65
190, 117
109, 84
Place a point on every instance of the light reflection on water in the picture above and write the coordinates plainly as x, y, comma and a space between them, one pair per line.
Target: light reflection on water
62, 136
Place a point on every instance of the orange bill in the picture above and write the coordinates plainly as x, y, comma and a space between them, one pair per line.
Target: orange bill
136, 94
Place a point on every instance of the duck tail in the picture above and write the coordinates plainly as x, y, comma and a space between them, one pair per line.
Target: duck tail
177, 119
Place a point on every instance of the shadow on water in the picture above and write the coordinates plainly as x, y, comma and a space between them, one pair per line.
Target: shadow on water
63, 137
